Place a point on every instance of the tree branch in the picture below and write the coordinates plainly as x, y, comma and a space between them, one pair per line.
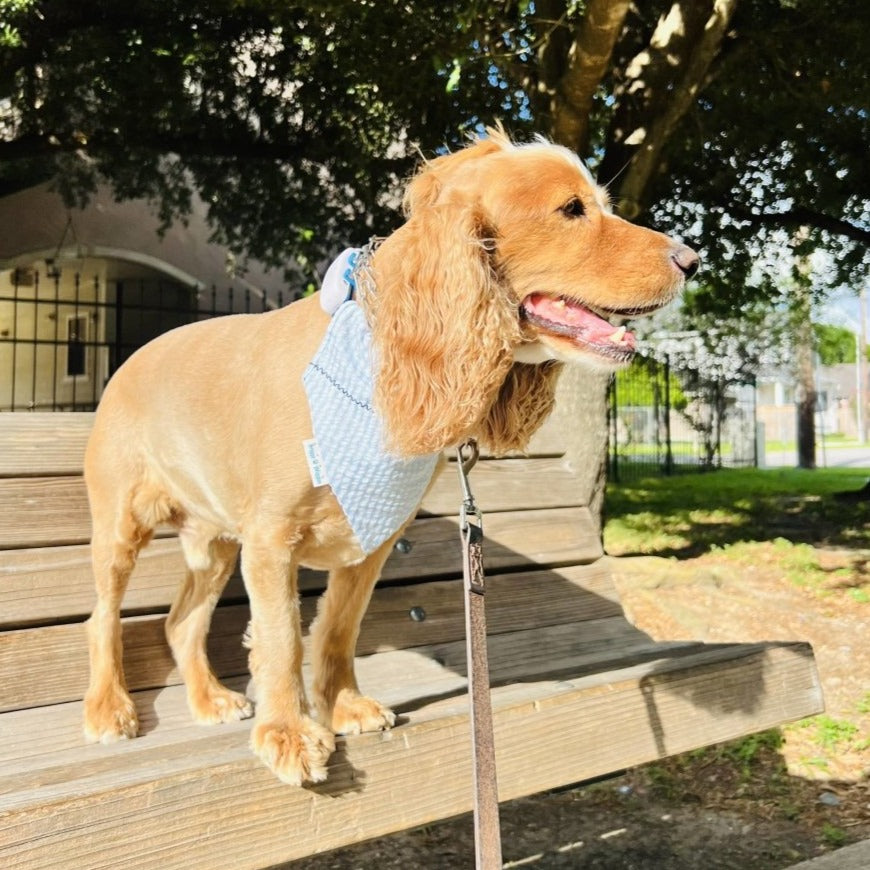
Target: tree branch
588, 60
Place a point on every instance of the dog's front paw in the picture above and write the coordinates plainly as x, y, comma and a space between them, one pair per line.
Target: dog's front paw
217, 703
354, 713
109, 715
295, 753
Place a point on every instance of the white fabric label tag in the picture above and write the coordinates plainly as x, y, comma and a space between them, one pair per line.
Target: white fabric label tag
315, 463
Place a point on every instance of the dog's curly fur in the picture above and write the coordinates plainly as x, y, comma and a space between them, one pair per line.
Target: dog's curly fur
203, 427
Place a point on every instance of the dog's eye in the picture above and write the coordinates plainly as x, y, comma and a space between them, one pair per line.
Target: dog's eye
573, 208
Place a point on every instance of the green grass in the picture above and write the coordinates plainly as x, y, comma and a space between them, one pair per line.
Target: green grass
832, 835
747, 753
685, 515
750, 517
833, 733
678, 448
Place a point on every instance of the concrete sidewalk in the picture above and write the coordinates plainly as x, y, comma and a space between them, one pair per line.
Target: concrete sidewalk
854, 857
826, 457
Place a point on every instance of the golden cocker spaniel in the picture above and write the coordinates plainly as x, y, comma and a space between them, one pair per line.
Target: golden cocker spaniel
510, 264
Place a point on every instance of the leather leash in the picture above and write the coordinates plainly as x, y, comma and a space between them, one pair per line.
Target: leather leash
487, 837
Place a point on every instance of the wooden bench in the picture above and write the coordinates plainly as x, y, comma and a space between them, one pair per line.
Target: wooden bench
578, 692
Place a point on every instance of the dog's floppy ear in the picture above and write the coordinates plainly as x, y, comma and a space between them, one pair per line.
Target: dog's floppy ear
443, 328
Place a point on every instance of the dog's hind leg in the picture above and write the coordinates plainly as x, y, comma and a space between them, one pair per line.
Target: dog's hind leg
109, 713
210, 564
334, 633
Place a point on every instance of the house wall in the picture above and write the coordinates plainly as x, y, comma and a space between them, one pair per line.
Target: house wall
38, 317
62, 334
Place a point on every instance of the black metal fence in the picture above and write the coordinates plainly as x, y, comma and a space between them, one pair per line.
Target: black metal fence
657, 427
62, 336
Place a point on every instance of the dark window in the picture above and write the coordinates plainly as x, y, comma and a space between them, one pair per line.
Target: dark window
77, 334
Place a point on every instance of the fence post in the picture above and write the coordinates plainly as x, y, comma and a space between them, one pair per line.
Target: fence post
119, 326
612, 431
15, 282
759, 442
669, 453
55, 364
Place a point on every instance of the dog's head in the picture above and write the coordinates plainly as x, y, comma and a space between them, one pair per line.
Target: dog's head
510, 259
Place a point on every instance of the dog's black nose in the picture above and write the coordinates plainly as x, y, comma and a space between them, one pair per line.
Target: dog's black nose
686, 260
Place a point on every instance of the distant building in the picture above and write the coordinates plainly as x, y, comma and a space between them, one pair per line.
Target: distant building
837, 387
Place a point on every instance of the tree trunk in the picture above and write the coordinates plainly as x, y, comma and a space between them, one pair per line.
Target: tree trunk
581, 412
806, 425
806, 396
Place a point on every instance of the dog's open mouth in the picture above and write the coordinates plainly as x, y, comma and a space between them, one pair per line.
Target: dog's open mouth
569, 319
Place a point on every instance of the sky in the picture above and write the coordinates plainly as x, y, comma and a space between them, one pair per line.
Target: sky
843, 308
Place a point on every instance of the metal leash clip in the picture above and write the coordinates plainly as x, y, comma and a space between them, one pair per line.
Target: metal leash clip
470, 520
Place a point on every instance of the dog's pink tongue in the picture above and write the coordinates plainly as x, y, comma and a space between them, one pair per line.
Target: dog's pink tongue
580, 320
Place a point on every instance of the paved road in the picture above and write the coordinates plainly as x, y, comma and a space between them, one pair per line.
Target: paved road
829, 457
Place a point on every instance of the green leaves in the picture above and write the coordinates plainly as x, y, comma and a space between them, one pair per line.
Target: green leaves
11, 12
453, 79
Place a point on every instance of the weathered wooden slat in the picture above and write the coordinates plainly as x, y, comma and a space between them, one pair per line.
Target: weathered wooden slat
55, 584
48, 665
514, 539
46, 443
405, 679
45, 584
50, 739
45, 511
505, 484
157, 811
515, 601
43, 443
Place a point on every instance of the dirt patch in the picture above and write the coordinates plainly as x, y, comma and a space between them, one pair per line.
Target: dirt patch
766, 591
667, 817
600, 827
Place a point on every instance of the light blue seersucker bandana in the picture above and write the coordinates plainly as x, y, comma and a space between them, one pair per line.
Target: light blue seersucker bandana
376, 490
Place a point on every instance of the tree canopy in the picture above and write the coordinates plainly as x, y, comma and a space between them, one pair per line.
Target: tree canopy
740, 123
